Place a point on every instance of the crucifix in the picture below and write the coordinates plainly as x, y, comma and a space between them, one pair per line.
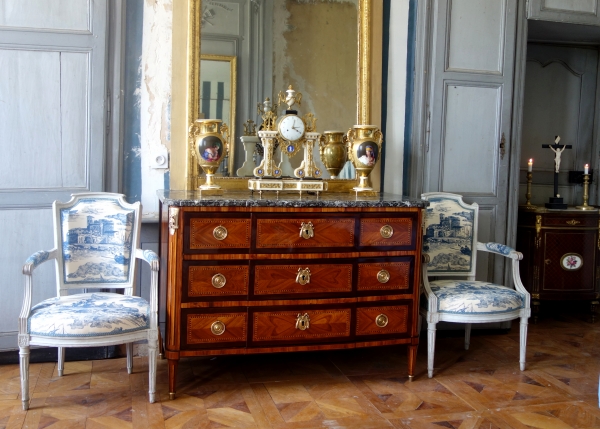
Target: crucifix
556, 202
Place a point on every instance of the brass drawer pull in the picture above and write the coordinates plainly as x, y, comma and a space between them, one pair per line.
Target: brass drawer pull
381, 320
302, 321
307, 230
547, 261
386, 231
303, 276
383, 276
217, 327
573, 222
220, 232
219, 280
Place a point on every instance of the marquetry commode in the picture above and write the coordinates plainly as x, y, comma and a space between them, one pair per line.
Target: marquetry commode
249, 275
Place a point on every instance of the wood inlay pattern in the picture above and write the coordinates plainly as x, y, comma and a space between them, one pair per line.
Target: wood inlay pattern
285, 233
200, 280
281, 325
399, 276
201, 233
397, 320
370, 231
281, 279
198, 327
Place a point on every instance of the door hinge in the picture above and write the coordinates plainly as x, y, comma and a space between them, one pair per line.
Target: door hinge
502, 146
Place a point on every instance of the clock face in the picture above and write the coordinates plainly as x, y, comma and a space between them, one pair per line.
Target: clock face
291, 127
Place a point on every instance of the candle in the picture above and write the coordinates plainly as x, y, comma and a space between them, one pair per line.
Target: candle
530, 165
586, 169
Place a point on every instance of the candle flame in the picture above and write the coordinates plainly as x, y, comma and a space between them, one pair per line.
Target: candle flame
531, 160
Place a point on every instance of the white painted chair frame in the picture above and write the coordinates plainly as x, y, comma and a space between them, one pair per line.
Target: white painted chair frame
151, 335
432, 316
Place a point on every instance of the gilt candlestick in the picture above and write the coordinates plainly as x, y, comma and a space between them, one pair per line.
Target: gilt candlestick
528, 204
586, 194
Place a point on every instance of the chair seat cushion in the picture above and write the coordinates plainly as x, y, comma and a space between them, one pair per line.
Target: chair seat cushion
465, 297
89, 315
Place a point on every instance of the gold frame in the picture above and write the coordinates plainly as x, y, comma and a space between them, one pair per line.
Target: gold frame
232, 60
185, 103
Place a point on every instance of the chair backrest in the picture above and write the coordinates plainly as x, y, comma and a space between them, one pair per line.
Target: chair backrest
96, 235
450, 235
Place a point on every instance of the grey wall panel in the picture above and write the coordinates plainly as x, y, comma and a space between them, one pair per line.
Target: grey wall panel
582, 6
75, 125
471, 122
66, 15
476, 35
24, 233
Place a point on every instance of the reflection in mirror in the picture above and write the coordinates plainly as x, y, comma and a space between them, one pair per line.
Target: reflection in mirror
311, 45
217, 97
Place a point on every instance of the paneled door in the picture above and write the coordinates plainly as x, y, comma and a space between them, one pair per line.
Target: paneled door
470, 102
52, 130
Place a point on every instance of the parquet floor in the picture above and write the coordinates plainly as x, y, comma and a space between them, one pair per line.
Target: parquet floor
479, 388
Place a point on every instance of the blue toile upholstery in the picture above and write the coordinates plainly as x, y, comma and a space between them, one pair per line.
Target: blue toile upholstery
450, 249
96, 239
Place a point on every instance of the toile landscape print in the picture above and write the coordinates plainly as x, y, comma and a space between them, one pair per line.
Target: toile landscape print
448, 236
97, 242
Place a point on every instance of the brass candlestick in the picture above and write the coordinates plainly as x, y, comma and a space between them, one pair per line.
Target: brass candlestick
528, 204
586, 194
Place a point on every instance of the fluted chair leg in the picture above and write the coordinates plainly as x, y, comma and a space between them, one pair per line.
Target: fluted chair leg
24, 367
467, 336
523, 342
61, 361
152, 355
129, 348
430, 348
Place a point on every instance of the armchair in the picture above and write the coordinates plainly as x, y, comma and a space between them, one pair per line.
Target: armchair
96, 240
450, 249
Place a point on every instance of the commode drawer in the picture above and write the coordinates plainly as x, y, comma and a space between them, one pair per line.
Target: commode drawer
570, 222
389, 232
202, 281
290, 234
294, 278
386, 276
214, 232
382, 320
209, 329
300, 326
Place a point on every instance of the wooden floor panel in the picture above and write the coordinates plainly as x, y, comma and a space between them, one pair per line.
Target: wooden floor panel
362, 388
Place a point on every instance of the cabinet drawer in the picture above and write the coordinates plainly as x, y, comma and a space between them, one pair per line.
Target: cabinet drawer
382, 320
576, 221
395, 231
269, 326
302, 278
216, 280
215, 233
212, 328
384, 276
286, 233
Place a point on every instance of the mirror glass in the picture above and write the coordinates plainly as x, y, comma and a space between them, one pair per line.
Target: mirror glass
217, 94
311, 45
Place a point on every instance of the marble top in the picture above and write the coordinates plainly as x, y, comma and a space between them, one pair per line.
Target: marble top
268, 199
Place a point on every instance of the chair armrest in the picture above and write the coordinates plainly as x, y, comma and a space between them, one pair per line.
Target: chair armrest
36, 259
426, 288
30, 264
500, 249
149, 256
152, 258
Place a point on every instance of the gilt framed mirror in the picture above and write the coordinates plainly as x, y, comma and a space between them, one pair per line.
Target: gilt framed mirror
268, 62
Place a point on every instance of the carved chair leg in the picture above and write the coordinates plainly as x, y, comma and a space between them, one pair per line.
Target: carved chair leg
467, 336
61, 361
129, 348
523, 342
430, 348
152, 352
24, 367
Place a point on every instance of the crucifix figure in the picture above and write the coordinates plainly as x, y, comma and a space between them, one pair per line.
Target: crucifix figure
556, 201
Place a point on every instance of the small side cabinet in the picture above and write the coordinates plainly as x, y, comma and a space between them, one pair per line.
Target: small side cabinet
560, 255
